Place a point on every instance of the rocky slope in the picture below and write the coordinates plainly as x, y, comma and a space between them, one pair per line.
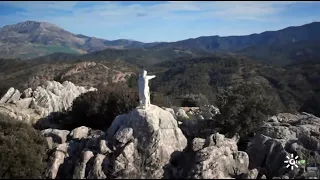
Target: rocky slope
140, 144
32, 105
25, 74
177, 142
150, 144
285, 134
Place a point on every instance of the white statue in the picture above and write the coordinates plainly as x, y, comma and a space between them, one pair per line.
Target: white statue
144, 93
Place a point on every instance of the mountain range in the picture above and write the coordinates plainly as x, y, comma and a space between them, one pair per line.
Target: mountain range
32, 39
284, 62
35, 39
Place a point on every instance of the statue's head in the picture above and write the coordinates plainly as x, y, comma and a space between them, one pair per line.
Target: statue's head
144, 73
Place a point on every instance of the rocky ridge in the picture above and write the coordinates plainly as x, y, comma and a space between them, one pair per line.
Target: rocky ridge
140, 144
31, 105
286, 134
150, 144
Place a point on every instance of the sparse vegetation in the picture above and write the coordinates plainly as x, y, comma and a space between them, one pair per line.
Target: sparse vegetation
244, 108
22, 151
311, 105
291, 85
99, 108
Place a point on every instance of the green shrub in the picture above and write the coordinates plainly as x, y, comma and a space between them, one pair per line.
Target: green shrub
22, 151
244, 108
132, 81
98, 109
311, 105
188, 102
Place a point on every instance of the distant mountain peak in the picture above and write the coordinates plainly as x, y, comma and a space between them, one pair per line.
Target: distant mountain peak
82, 36
31, 39
36, 23
28, 26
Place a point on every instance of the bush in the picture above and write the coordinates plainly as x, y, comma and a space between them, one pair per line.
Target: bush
244, 108
22, 151
188, 102
311, 105
132, 81
98, 109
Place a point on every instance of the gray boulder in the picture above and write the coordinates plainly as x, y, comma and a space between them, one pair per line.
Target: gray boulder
154, 133
220, 160
15, 96
137, 145
286, 134
7, 96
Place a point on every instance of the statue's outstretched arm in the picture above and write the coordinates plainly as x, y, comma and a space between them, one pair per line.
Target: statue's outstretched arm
151, 77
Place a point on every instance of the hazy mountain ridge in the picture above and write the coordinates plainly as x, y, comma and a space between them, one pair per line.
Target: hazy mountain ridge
34, 39
281, 47
231, 43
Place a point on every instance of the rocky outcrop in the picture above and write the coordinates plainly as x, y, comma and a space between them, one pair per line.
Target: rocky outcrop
220, 160
151, 134
143, 144
32, 105
29, 116
138, 143
285, 134
150, 144
7, 96
194, 113
215, 157
195, 121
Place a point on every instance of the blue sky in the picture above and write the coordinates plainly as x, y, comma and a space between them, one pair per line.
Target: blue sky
162, 20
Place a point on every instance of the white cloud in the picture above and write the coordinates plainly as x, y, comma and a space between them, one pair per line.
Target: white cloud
112, 16
113, 11
213, 9
42, 5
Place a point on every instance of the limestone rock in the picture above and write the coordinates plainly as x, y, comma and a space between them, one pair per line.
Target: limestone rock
155, 133
26, 115
104, 149
97, 171
253, 174
79, 133
220, 160
209, 111
7, 96
124, 135
24, 103
58, 136
26, 93
15, 96
198, 144
56, 160
80, 170
181, 114
51, 97
295, 133
171, 111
